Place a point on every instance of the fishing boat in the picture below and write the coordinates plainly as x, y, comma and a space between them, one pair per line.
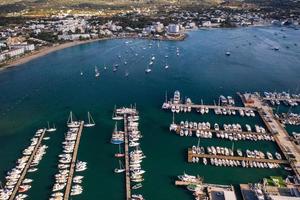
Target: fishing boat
119, 154
71, 123
51, 129
120, 169
97, 73
91, 122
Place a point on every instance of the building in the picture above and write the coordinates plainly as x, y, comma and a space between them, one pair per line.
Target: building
173, 29
11, 54
27, 47
74, 37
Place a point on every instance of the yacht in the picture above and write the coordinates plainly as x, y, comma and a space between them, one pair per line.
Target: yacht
120, 169
51, 129
71, 123
91, 122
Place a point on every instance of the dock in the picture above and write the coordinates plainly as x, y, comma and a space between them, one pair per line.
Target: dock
24, 172
211, 107
281, 136
73, 163
281, 99
219, 131
126, 150
239, 158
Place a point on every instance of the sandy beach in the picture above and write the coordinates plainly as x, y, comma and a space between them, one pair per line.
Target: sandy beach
44, 51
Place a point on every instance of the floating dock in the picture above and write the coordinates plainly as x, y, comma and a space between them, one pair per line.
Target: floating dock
73, 163
239, 158
24, 172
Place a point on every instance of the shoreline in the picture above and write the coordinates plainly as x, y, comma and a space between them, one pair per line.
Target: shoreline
56, 47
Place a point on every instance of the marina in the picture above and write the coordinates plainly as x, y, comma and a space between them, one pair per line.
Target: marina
133, 158
47, 88
22, 169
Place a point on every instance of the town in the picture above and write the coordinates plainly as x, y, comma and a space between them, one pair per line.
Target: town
26, 34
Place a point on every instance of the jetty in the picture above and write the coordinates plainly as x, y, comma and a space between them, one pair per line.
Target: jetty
126, 150
239, 158
24, 172
73, 162
211, 107
219, 131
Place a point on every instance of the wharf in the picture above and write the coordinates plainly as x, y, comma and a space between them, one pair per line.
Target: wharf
199, 106
127, 170
281, 99
220, 131
239, 158
281, 136
24, 172
73, 163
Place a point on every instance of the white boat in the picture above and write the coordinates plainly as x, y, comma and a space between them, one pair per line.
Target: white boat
91, 122
71, 123
97, 73
148, 70
51, 129
120, 169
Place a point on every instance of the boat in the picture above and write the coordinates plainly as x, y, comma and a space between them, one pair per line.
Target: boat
166, 66
97, 73
120, 169
148, 70
71, 123
119, 154
117, 136
115, 116
137, 186
81, 73
51, 129
228, 53
91, 122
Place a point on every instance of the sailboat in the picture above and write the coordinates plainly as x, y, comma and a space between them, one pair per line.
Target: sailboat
120, 169
50, 129
126, 74
71, 123
119, 154
115, 116
91, 122
97, 73
81, 73
166, 66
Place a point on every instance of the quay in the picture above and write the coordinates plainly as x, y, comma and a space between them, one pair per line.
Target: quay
220, 131
24, 172
126, 150
73, 163
281, 136
281, 99
239, 158
212, 107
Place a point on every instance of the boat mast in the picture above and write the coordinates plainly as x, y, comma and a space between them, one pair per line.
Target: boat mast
166, 96
198, 144
173, 119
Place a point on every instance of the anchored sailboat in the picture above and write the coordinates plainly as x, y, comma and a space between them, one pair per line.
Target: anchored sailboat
119, 154
120, 169
71, 123
51, 129
97, 73
91, 122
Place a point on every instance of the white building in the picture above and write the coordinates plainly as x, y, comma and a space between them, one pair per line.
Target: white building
74, 37
11, 54
27, 47
173, 28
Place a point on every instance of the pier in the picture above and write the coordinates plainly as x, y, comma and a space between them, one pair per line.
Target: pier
281, 99
24, 172
126, 150
73, 163
239, 158
219, 131
211, 107
281, 136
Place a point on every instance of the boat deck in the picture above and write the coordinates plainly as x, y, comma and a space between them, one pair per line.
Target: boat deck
24, 172
73, 163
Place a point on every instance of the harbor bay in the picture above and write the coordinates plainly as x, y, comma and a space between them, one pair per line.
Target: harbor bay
47, 88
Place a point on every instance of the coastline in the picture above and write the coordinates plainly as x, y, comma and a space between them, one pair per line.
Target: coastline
56, 47
44, 51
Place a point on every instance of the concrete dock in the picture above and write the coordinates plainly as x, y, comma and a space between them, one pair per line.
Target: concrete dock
24, 172
239, 158
126, 150
73, 163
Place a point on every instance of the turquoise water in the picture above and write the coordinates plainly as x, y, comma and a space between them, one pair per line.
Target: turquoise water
46, 89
